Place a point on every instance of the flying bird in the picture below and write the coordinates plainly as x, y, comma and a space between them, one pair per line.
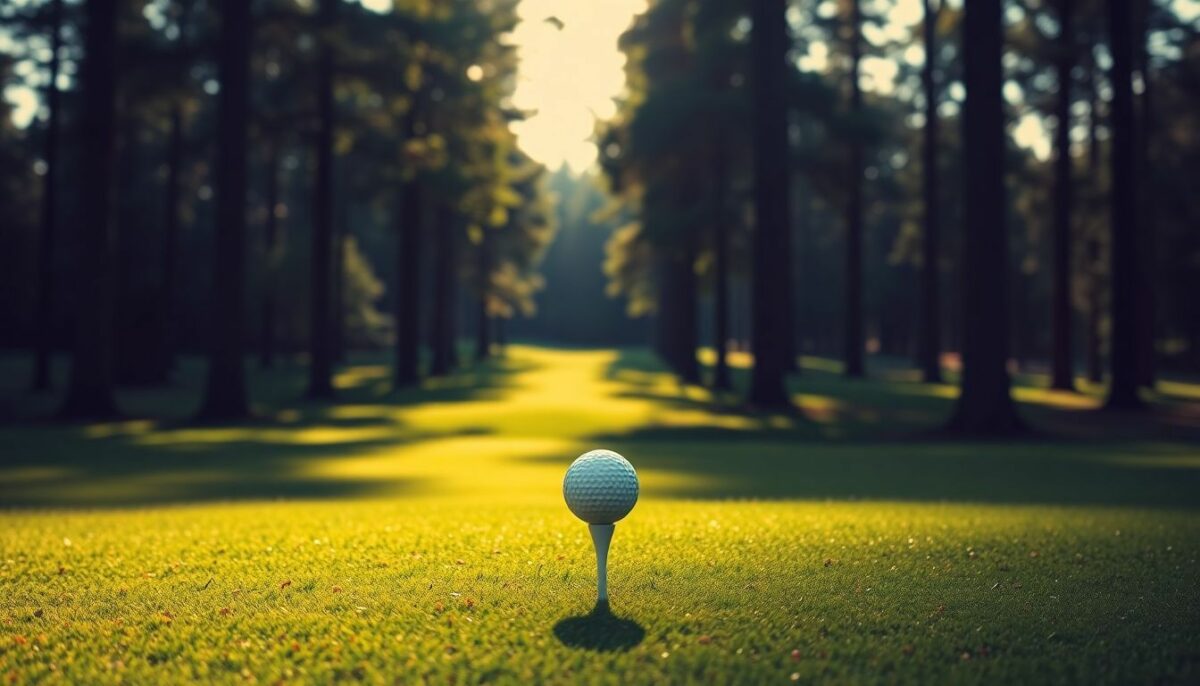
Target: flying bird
555, 22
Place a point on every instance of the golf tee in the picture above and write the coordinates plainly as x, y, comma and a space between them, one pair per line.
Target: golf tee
601, 537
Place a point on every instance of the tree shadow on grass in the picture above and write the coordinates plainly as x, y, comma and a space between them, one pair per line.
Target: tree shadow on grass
599, 630
290, 449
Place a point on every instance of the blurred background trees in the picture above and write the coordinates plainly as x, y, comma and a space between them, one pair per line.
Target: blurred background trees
304, 180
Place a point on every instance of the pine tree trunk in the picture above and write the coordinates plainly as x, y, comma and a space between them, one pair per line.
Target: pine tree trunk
852, 354
721, 381
408, 280
225, 393
985, 407
441, 319
689, 367
338, 295
44, 312
171, 228
483, 328
270, 259
931, 326
1062, 367
320, 371
1147, 305
772, 267
90, 389
1123, 390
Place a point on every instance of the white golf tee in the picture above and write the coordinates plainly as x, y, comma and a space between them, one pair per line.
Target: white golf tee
601, 537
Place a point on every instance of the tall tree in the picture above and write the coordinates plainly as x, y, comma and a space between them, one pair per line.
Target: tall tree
225, 391
442, 314
721, 247
1062, 359
985, 406
1148, 216
772, 265
320, 370
44, 313
930, 350
90, 391
271, 253
1123, 390
408, 280
852, 341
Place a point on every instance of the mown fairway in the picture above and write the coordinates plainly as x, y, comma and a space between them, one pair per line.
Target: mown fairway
424, 538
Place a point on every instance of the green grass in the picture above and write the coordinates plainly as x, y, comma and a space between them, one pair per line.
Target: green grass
422, 537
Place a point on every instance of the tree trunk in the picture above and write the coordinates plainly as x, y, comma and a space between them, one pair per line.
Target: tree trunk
408, 284
985, 407
1123, 390
90, 391
852, 354
772, 266
483, 329
685, 354
1147, 305
171, 227
320, 370
441, 319
721, 381
270, 259
1062, 363
225, 393
44, 313
930, 354
340, 235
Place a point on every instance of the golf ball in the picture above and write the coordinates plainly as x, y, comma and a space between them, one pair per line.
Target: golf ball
600, 487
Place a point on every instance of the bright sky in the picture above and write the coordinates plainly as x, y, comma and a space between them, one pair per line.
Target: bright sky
569, 76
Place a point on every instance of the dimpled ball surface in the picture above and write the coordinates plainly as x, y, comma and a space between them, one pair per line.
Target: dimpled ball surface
601, 487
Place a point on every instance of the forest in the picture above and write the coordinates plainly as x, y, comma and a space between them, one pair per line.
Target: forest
881, 316
287, 180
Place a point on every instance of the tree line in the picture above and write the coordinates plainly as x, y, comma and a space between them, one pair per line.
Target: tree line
911, 219
201, 167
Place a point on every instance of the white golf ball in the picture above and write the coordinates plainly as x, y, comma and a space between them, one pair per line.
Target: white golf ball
601, 487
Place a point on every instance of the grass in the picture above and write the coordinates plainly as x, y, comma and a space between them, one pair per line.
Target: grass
422, 537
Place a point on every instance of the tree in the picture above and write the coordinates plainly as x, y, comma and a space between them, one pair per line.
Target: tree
984, 407
1062, 359
772, 268
852, 341
930, 350
90, 392
225, 391
46, 238
1123, 389
320, 370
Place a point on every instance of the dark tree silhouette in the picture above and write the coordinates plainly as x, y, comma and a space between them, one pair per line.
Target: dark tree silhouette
930, 350
985, 407
1148, 216
483, 328
267, 324
1062, 362
1123, 391
720, 226
320, 370
225, 391
772, 266
44, 311
441, 317
852, 340
90, 392
408, 280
